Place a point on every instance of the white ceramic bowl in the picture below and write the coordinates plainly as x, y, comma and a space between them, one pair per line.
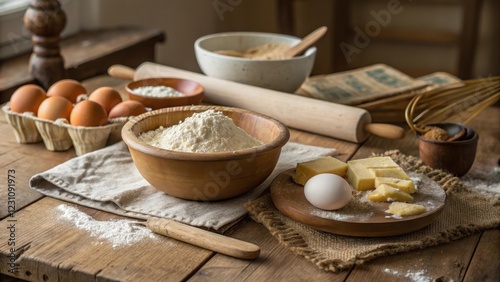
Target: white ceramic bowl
282, 75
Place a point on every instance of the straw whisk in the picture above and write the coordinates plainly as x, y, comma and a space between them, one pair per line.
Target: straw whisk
457, 102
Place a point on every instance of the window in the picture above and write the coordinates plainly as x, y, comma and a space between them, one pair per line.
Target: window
15, 39
12, 6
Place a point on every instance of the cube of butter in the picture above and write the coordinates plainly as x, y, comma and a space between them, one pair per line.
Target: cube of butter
402, 184
405, 209
359, 175
386, 193
306, 170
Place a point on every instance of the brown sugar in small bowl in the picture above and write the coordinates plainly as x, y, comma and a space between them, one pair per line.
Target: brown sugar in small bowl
455, 157
193, 92
206, 176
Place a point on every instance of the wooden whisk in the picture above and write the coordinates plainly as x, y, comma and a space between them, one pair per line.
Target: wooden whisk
457, 102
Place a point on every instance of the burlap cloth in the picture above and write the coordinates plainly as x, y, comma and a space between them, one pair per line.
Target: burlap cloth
466, 212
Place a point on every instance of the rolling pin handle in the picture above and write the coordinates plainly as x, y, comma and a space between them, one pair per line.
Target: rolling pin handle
121, 71
385, 130
203, 238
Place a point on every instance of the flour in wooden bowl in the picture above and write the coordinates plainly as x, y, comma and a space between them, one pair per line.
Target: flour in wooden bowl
204, 132
159, 91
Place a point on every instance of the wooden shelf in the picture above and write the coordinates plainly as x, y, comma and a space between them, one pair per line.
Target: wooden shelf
88, 54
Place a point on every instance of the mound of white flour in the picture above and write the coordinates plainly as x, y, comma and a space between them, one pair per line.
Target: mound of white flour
204, 132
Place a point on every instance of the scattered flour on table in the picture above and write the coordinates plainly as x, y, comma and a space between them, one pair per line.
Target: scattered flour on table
204, 132
159, 91
118, 232
486, 183
418, 276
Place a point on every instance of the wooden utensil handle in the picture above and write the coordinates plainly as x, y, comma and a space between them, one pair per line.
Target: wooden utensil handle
385, 130
205, 239
121, 71
306, 42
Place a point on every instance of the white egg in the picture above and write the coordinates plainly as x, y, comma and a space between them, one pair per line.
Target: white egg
327, 191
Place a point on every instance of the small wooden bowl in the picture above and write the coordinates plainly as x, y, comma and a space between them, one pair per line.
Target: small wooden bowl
455, 157
193, 92
206, 176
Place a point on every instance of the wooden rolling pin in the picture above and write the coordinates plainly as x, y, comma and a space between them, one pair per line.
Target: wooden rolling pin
308, 114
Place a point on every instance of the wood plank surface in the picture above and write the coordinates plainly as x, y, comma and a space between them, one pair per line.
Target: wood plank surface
275, 263
485, 264
59, 251
441, 263
55, 250
24, 161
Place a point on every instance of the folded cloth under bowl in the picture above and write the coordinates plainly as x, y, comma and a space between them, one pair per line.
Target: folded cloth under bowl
108, 180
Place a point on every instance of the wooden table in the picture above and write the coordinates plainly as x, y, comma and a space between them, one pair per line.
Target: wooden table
51, 250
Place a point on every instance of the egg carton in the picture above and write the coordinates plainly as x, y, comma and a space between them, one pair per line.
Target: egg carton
59, 135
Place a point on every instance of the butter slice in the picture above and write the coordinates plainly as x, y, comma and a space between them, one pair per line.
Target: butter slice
405, 209
359, 172
375, 162
329, 164
395, 172
386, 193
402, 184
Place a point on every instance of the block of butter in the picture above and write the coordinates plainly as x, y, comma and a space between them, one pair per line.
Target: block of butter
306, 170
402, 184
359, 172
405, 209
386, 193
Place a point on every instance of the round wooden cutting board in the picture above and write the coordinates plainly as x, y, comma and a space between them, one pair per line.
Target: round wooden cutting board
360, 217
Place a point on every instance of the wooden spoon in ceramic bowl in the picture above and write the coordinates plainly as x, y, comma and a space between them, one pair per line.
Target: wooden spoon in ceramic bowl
278, 53
305, 43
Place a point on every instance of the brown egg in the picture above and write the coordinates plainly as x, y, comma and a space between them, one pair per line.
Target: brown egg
67, 88
88, 113
127, 109
107, 97
27, 98
55, 107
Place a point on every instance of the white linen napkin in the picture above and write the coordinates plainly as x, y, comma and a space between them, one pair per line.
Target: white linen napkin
108, 180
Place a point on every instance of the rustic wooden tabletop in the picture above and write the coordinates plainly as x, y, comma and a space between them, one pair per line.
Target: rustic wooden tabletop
50, 250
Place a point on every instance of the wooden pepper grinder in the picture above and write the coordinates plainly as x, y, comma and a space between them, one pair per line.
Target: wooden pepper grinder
45, 20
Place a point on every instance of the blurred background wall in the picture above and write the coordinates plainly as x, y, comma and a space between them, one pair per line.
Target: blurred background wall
185, 21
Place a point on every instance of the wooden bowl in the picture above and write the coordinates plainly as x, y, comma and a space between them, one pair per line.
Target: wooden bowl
193, 92
206, 176
455, 157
